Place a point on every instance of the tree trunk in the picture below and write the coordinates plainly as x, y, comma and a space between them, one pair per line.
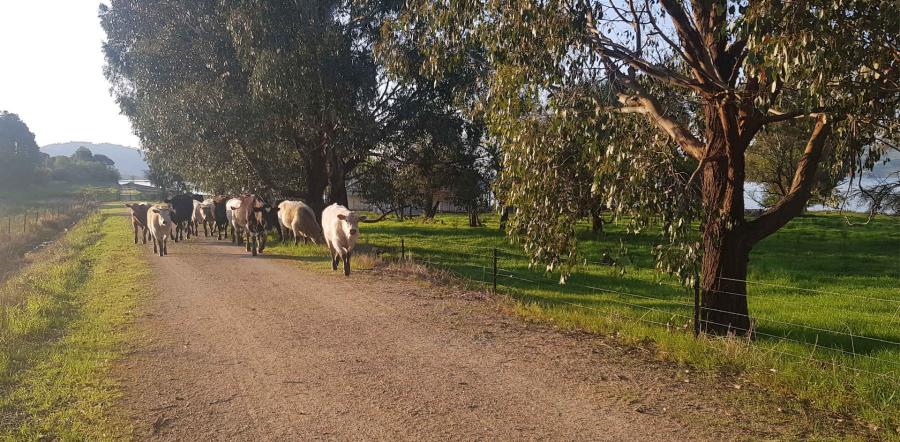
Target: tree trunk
726, 248
596, 219
722, 275
431, 209
337, 185
473, 218
316, 182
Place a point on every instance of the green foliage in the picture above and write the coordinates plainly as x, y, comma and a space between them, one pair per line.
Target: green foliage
239, 95
83, 167
19, 154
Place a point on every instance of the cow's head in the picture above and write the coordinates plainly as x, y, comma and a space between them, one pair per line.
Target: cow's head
267, 216
198, 197
165, 215
207, 209
350, 224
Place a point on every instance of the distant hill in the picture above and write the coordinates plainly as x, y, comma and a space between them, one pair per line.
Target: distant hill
129, 161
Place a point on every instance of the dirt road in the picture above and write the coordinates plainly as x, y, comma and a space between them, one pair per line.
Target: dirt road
244, 348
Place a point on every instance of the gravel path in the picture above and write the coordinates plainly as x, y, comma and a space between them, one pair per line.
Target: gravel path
242, 348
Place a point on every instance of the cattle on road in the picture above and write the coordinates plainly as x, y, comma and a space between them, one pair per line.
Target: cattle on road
139, 220
341, 229
159, 222
252, 217
299, 220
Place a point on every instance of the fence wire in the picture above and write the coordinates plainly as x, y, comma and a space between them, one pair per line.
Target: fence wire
508, 278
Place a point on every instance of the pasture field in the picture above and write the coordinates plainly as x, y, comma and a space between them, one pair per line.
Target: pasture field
62, 326
825, 298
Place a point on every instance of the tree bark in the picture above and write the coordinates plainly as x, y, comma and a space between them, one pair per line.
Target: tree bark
316, 181
473, 218
596, 219
337, 184
726, 249
431, 209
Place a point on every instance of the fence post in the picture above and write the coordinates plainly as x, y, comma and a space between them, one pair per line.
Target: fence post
494, 253
696, 304
402, 250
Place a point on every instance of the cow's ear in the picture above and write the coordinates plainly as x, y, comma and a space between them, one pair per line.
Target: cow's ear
155, 210
342, 217
363, 218
167, 201
129, 205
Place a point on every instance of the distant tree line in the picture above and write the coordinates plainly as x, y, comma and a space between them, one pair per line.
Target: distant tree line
22, 164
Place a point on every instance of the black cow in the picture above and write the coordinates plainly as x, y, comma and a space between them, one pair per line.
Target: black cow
219, 215
253, 217
183, 209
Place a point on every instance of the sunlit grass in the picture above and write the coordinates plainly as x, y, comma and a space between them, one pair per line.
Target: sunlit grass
62, 326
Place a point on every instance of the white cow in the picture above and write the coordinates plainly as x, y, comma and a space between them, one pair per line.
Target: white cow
159, 222
207, 217
299, 219
230, 207
341, 229
196, 216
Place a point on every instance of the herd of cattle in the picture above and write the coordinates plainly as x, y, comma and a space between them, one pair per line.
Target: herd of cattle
250, 219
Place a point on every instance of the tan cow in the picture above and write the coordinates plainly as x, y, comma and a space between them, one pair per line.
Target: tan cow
300, 220
159, 221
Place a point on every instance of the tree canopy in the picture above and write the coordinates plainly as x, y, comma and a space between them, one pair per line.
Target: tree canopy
286, 97
20, 156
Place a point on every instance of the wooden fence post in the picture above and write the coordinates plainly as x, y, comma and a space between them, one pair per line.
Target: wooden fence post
696, 304
494, 251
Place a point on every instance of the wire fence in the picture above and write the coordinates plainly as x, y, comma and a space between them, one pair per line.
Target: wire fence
681, 309
19, 224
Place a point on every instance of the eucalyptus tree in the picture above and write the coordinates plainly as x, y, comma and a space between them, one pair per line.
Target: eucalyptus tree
687, 82
20, 156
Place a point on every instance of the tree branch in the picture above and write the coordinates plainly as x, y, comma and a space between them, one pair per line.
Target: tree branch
643, 103
801, 188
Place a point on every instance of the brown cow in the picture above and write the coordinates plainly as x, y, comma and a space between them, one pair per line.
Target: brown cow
252, 218
139, 220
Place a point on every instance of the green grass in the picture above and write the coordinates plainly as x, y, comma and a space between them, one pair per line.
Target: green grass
63, 323
855, 272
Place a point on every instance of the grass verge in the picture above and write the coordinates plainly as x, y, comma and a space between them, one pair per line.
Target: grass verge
63, 323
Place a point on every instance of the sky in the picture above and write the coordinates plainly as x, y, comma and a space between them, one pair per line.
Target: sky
51, 72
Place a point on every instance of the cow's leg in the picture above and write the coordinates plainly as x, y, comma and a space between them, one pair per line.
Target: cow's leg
154, 243
144, 236
252, 247
165, 246
262, 241
347, 264
135, 232
334, 259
